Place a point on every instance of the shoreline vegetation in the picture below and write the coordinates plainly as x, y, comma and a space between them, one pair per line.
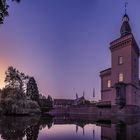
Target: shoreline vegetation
20, 96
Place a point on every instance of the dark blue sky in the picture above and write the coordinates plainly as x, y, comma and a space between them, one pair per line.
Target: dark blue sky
63, 43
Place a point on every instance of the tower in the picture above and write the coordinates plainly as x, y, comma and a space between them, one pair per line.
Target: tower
120, 83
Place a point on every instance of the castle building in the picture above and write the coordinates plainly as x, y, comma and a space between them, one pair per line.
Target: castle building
120, 83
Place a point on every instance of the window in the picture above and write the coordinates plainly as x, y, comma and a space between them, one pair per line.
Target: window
135, 97
121, 77
120, 60
108, 83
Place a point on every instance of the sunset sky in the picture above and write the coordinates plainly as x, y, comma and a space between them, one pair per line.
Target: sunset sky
63, 43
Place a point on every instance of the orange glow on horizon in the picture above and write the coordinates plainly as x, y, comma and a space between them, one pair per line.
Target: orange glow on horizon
3, 68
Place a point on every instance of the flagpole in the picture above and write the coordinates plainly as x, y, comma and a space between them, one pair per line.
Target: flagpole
93, 94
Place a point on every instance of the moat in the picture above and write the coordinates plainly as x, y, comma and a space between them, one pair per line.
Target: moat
70, 128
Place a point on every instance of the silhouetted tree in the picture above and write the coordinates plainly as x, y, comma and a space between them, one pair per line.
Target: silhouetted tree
45, 104
10, 98
32, 89
49, 101
14, 78
4, 9
42, 96
13, 98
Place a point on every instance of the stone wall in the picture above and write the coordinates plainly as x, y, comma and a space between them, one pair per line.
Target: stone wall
93, 110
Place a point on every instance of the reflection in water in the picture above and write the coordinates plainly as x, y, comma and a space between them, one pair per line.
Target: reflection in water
32, 132
12, 128
69, 127
121, 131
15, 128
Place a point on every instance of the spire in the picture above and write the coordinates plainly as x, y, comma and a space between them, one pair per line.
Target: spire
125, 28
126, 3
83, 93
76, 96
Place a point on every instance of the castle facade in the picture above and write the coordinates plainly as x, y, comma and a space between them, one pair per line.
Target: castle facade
120, 84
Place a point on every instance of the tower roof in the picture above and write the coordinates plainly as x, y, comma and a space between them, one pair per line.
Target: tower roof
125, 28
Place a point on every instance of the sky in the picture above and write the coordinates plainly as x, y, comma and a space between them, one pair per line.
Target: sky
64, 44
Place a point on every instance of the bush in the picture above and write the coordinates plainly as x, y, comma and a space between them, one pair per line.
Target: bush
13, 101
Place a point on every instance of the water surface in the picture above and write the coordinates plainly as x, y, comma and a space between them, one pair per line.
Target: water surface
69, 128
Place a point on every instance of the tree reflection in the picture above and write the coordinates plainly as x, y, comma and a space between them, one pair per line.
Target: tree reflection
15, 128
46, 121
32, 132
12, 128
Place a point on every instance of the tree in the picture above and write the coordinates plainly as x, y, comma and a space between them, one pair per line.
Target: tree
32, 89
10, 97
49, 101
14, 101
45, 104
14, 78
4, 9
13, 98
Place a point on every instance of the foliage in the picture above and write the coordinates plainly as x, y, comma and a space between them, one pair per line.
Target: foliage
4, 9
49, 101
85, 102
9, 96
12, 93
42, 96
13, 97
32, 89
13, 101
46, 102
14, 78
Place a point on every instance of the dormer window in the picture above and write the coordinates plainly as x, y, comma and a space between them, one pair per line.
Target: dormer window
120, 60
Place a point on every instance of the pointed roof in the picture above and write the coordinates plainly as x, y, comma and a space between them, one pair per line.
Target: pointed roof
125, 28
